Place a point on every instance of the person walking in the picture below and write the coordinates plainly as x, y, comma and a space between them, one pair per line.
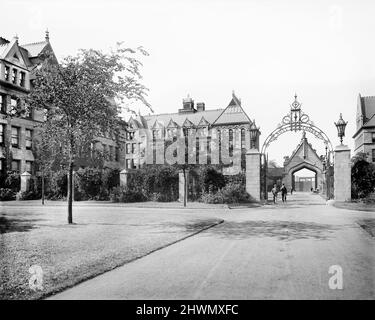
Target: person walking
283, 193
274, 193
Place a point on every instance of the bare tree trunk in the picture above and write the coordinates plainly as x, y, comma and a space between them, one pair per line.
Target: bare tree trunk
42, 187
70, 192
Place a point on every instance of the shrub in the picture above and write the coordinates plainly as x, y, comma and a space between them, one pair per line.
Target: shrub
237, 178
231, 193
121, 194
155, 182
88, 182
57, 185
212, 180
110, 178
7, 194
27, 195
363, 177
13, 181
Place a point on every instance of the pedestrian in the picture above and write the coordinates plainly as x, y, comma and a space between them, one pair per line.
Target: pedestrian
291, 190
274, 193
283, 193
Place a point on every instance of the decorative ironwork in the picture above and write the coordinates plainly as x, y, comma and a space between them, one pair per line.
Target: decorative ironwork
295, 121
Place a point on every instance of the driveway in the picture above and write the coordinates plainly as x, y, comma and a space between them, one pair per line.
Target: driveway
281, 251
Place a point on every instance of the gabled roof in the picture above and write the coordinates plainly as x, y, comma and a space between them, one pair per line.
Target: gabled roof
187, 123
303, 144
28, 55
233, 113
35, 48
367, 107
134, 123
370, 122
12, 52
179, 118
157, 124
172, 124
203, 122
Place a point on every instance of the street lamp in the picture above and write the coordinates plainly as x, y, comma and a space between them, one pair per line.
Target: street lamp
254, 133
340, 125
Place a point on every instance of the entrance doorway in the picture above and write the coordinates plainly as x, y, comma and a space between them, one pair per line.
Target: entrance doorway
304, 180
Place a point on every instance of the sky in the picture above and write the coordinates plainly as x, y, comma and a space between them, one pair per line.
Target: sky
266, 51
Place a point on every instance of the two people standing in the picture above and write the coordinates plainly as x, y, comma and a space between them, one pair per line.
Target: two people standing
275, 192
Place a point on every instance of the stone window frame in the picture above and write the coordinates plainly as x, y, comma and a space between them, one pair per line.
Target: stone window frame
22, 79
3, 103
2, 134
28, 139
6, 73
29, 163
14, 75
15, 136
18, 162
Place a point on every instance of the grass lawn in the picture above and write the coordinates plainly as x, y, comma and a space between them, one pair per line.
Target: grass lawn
368, 225
358, 206
102, 238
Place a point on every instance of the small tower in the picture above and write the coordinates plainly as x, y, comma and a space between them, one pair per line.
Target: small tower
47, 35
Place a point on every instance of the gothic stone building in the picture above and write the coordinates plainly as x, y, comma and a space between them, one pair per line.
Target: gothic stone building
232, 119
18, 134
17, 66
364, 137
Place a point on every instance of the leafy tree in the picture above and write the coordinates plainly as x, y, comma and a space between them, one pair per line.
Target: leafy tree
363, 176
79, 96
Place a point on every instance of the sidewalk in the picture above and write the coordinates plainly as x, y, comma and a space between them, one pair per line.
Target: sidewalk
148, 204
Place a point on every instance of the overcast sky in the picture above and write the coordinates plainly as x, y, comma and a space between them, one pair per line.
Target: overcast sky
263, 50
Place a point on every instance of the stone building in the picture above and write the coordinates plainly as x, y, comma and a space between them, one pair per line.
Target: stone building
231, 120
304, 157
18, 64
364, 137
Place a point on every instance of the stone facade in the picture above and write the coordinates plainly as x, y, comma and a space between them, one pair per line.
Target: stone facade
364, 137
303, 157
231, 120
18, 135
253, 174
342, 174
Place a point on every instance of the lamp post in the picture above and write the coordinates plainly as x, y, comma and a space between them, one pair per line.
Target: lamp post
341, 125
254, 133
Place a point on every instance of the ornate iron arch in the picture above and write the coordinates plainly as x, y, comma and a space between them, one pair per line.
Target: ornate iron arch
296, 120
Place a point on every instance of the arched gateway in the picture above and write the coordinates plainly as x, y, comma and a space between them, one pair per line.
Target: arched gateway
304, 156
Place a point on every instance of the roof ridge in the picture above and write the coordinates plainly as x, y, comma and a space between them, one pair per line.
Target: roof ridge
176, 113
31, 43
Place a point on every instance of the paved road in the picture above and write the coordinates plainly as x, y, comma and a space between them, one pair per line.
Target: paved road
281, 251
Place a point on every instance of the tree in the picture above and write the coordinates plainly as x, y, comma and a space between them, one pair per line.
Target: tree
363, 176
79, 96
45, 155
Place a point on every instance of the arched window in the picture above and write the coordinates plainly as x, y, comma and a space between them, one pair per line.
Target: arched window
230, 142
243, 139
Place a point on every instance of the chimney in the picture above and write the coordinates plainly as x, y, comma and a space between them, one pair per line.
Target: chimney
201, 106
187, 105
